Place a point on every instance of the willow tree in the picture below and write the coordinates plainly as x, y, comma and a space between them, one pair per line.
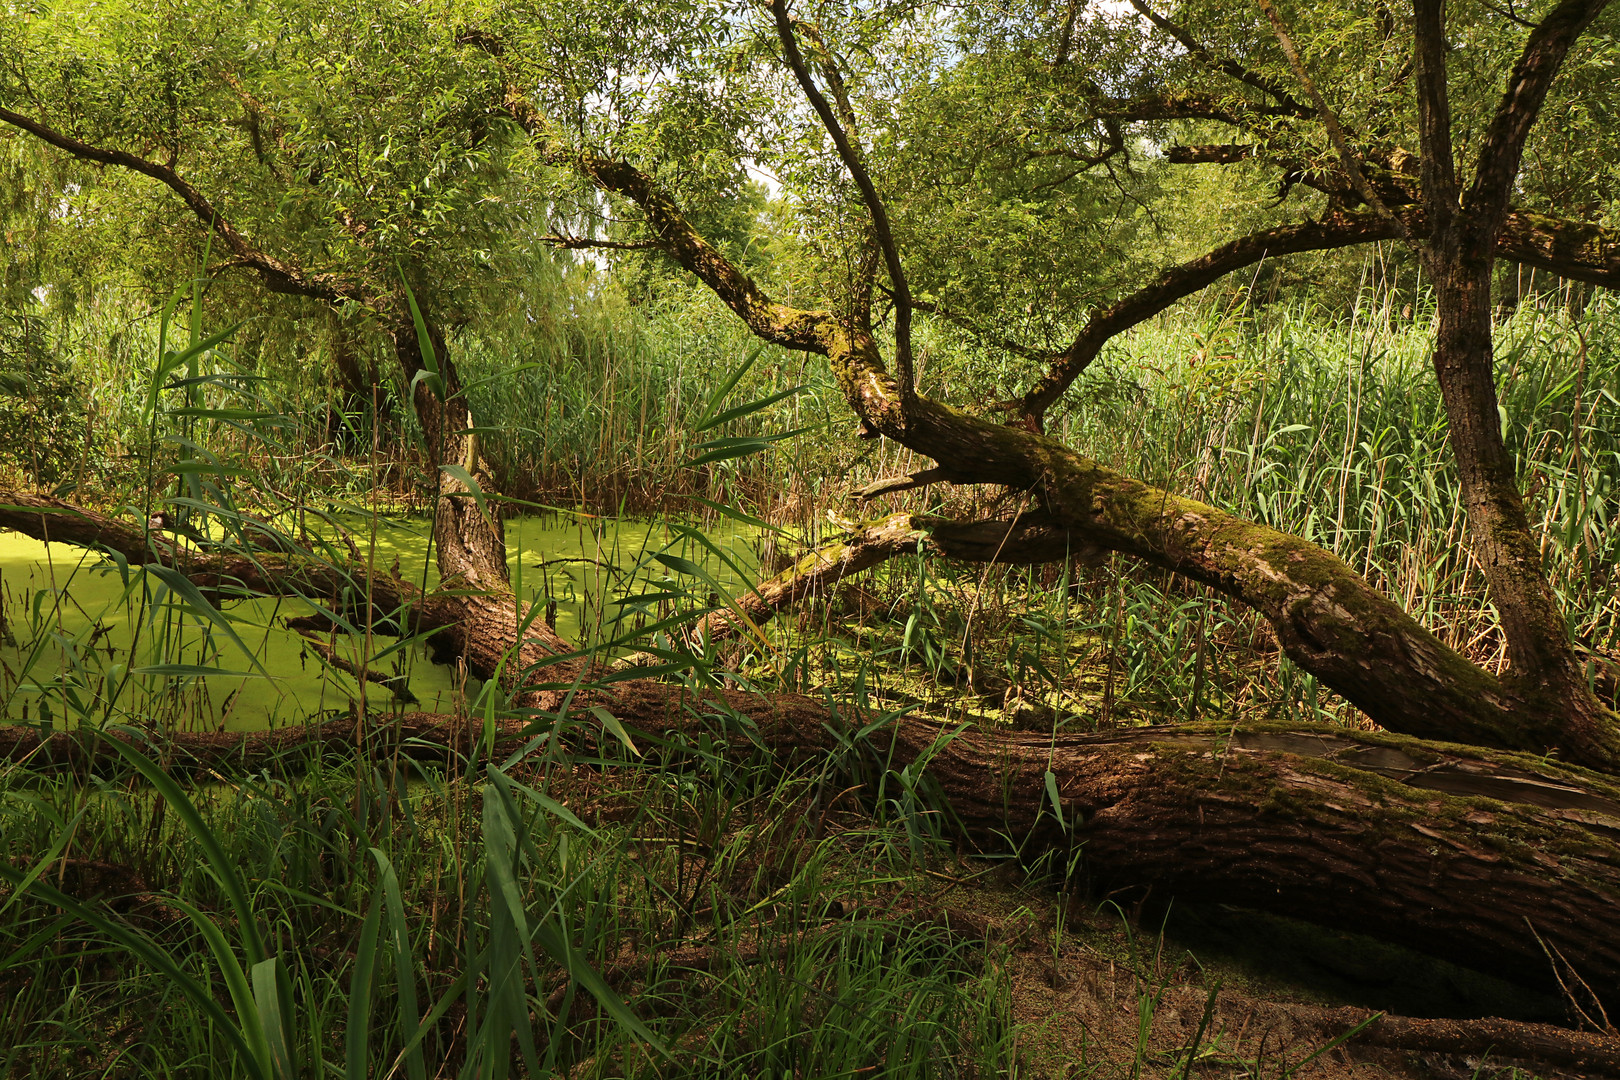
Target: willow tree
339, 161
892, 120
952, 165
964, 167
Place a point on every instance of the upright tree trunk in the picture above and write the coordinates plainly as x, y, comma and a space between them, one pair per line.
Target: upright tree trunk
469, 542
1460, 254
1543, 666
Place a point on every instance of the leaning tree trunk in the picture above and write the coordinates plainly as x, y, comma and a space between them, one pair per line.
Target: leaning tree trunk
1477, 855
1328, 619
478, 626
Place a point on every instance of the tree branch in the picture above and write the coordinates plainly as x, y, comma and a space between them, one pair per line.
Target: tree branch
1029, 538
1576, 250
1351, 161
1183, 106
398, 685
852, 159
1328, 619
1486, 201
1208, 154
278, 275
854, 357
575, 243
1200, 52
1437, 164
780, 324
282, 570
1104, 322
893, 484
1006, 344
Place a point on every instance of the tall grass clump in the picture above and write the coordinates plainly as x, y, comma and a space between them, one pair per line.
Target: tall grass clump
1337, 432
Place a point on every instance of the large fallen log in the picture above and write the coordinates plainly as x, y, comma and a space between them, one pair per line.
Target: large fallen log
1487, 858
1497, 860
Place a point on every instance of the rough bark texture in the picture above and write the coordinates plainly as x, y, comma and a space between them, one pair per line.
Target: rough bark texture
1475, 856
1328, 619
1460, 254
1540, 1043
1484, 857
1446, 848
469, 544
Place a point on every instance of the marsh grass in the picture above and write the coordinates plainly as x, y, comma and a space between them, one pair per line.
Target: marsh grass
605, 915
498, 918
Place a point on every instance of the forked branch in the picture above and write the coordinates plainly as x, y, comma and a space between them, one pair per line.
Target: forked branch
1348, 158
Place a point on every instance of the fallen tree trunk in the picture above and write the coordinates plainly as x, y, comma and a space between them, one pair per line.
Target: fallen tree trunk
1538, 1043
1486, 858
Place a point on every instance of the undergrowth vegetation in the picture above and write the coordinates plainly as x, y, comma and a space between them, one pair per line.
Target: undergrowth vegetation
632, 908
374, 919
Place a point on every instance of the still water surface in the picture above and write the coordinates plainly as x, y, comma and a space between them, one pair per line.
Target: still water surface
68, 624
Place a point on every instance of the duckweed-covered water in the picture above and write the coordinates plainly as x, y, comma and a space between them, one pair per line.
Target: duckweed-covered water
81, 643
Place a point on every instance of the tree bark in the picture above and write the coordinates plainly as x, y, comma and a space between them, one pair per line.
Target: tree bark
1478, 857
1328, 619
1438, 846
1030, 539
468, 540
1460, 254
470, 546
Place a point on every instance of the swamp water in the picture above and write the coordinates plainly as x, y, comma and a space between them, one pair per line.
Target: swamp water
77, 645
